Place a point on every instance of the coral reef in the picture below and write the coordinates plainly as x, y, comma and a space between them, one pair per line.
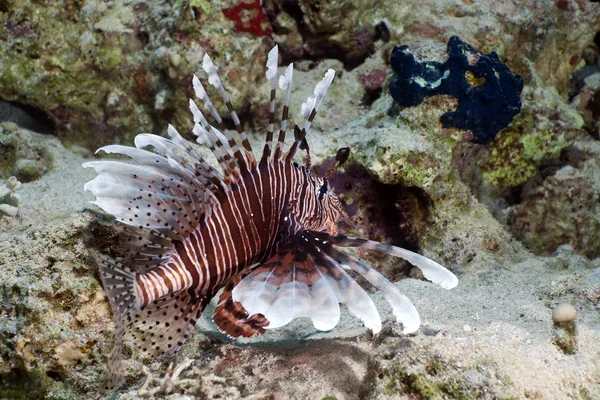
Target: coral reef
564, 208
587, 103
103, 72
319, 29
107, 71
487, 92
54, 314
546, 126
258, 24
23, 156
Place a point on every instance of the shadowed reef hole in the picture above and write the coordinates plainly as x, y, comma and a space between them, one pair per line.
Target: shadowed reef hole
388, 213
27, 117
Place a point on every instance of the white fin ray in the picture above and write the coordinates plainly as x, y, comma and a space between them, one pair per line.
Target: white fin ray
309, 111
217, 142
350, 293
285, 84
282, 303
145, 157
431, 269
402, 308
302, 281
213, 79
131, 192
313, 103
271, 74
120, 197
204, 174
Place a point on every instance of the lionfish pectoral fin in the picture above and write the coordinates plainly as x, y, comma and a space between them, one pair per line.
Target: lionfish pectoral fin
143, 250
301, 281
168, 190
402, 308
290, 285
431, 270
232, 318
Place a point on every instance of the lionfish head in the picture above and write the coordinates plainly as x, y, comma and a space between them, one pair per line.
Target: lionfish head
327, 206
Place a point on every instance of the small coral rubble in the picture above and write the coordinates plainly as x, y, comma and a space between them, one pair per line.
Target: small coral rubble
8, 200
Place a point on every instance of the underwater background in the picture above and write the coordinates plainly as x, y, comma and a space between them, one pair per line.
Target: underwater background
506, 197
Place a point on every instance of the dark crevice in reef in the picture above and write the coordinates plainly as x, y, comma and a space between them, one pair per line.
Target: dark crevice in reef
319, 44
371, 96
27, 117
20, 384
393, 214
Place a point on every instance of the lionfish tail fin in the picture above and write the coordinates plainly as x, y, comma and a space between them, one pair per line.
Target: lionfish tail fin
232, 318
119, 284
300, 281
431, 269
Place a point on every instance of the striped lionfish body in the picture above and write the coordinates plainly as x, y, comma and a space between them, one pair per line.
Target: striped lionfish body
263, 230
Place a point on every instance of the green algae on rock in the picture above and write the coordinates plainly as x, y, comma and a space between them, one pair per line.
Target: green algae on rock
23, 155
546, 126
104, 71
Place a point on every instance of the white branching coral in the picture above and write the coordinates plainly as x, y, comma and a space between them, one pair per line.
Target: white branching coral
183, 382
8, 200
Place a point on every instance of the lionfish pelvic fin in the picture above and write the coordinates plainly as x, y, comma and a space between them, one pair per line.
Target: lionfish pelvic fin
232, 318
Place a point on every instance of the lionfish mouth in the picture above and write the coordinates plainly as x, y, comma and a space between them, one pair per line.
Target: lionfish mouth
192, 229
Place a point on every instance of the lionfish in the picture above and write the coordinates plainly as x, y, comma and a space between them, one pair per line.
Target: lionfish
263, 230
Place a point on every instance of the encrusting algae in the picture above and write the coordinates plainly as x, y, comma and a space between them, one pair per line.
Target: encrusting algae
263, 229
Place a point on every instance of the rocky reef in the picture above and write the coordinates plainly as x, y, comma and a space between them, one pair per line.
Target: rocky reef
103, 71
518, 223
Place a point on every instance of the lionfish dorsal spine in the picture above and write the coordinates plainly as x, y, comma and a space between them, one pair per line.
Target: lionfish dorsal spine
285, 84
202, 167
271, 74
217, 143
208, 105
215, 80
309, 110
